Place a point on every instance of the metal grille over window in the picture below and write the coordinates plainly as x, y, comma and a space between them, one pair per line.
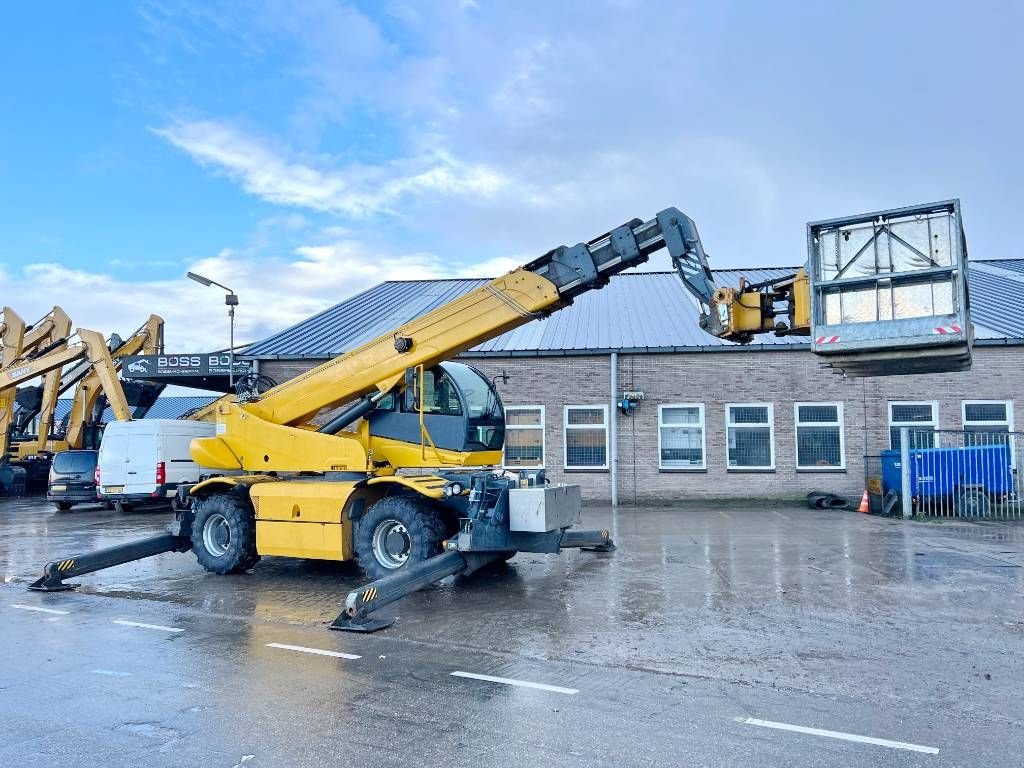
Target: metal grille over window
586, 437
921, 418
524, 436
681, 436
750, 429
987, 422
819, 436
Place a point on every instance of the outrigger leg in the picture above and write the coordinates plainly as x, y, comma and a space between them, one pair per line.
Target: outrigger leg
56, 571
590, 540
361, 602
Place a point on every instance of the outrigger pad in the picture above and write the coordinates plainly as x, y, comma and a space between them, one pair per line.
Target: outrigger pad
48, 584
345, 623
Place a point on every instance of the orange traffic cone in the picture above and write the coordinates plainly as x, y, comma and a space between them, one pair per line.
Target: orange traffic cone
864, 503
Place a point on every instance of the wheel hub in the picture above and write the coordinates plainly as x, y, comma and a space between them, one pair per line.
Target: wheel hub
391, 544
216, 535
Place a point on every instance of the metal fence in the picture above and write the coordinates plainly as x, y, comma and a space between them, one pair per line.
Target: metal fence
972, 474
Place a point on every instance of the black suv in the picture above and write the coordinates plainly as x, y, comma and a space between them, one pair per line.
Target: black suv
73, 479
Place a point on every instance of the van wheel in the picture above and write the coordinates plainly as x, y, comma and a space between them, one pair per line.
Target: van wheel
63, 506
123, 507
224, 533
396, 532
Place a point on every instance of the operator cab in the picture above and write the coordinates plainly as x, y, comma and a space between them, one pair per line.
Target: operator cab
461, 411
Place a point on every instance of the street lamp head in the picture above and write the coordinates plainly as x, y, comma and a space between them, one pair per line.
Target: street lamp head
199, 279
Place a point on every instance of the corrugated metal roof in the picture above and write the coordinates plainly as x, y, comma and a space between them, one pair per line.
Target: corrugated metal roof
638, 311
1013, 265
164, 407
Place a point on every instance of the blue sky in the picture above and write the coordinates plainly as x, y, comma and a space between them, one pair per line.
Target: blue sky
301, 152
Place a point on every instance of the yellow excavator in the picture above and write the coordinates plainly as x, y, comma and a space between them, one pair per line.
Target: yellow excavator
402, 476
21, 344
80, 430
91, 347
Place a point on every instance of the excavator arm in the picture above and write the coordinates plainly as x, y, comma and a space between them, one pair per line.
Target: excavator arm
147, 340
91, 346
23, 344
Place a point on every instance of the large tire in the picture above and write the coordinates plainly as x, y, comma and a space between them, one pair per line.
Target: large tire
395, 533
224, 533
63, 506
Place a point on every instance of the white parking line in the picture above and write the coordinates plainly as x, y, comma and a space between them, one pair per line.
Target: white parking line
37, 608
316, 651
838, 735
140, 625
520, 683
111, 673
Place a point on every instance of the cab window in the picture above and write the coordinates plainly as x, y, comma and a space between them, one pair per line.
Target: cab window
439, 395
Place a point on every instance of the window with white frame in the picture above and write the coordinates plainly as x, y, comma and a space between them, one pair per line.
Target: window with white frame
819, 436
524, 436
987, 422
750, 435
586, 437
681, 436
922, 418
988, 416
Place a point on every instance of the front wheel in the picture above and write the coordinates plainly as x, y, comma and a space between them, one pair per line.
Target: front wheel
396, 532
224, 533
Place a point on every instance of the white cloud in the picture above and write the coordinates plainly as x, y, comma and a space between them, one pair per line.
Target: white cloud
354, 190
275, 292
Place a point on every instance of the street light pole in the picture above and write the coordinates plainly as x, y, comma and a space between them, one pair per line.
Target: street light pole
231, 300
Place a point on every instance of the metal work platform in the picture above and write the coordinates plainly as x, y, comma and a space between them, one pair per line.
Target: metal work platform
889, 291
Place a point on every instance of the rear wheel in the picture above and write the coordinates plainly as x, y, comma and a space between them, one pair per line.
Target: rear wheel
973, 503
397, 532
63, 506
123, 507
224, 533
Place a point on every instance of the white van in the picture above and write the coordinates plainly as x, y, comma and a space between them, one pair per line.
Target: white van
146, 460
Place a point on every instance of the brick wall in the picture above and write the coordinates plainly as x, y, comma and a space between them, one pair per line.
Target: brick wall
782, 378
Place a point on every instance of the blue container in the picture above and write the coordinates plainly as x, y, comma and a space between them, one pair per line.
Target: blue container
943, 472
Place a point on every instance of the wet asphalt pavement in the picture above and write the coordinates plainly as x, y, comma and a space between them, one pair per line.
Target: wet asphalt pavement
715, 635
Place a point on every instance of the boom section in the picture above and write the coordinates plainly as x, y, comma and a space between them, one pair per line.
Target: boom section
100, 378
536, 289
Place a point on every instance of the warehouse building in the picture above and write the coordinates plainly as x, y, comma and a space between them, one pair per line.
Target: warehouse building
716, 420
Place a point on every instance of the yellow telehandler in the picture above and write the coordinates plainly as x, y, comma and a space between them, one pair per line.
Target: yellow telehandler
403, 476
